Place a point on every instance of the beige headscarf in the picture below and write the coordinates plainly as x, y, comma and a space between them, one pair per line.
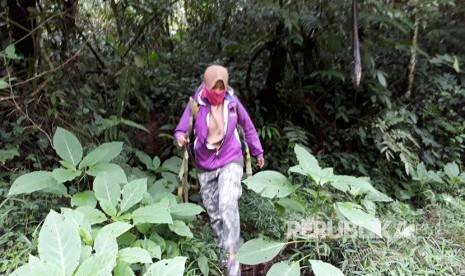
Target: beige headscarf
216, 129
215, 73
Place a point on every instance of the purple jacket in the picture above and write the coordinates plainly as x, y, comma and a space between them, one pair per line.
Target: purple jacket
230, 149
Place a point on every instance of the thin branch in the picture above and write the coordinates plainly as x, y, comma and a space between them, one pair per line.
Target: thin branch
53, 70
114, 8
20, 110
100, 61
139, 34
7, 98
143, 28
33, 30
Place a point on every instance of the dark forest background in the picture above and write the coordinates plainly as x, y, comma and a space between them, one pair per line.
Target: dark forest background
124, 70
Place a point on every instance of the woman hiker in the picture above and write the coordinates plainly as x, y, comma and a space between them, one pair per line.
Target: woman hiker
218, 156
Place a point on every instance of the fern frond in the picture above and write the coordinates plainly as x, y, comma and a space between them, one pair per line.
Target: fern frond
134, 124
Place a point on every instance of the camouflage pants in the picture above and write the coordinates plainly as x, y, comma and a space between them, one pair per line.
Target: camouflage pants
221, 190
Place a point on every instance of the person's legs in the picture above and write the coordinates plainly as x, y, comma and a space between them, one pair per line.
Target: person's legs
209, 192
229, 192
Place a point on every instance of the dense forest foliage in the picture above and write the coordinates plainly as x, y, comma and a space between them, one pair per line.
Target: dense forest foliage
90, 93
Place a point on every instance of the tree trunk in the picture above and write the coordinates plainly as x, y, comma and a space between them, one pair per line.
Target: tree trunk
21, 26
269, 96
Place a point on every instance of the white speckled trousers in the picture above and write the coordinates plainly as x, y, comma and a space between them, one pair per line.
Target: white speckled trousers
221, 190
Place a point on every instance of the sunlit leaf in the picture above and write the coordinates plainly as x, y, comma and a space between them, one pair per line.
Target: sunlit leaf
270, 184
355, 214
154, 213
284, 268
37, 181
59, 242
452, 170
64, 175
258, 251
67, 146
167, 267
134, 255
321, 268
179, 227
97, 264
103, 154
133, 193
85, 198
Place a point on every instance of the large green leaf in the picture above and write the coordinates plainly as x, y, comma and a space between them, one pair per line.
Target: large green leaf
355, 214
167, 267
134, 255
37, 181
292, 204
451, 170
59, 242
145, 159
108, 207
86, 251
116, 229
179, 227
377, 196
153, 248
37, 267
103, 154
123, 269
133, 193
321, 268
93, 216
308, 165
323, 176
97, 264
353, 185
155, 213
106, 237
107, 189
202, 261
109, 168
358, 186
86, 198
258, 251
24, 270
67, 146
63, 175
80, 220
173, 164
284, 268
270, 184
186, 210
105, 243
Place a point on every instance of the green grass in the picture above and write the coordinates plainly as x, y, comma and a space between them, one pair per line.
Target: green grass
437, 247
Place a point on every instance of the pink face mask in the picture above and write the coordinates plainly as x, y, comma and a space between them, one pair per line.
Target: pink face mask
215, 97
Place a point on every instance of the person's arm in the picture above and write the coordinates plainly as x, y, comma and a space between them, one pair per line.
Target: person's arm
251, 135
182, 127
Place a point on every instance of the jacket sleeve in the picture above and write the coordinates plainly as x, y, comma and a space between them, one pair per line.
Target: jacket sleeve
183, 125
251, 135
